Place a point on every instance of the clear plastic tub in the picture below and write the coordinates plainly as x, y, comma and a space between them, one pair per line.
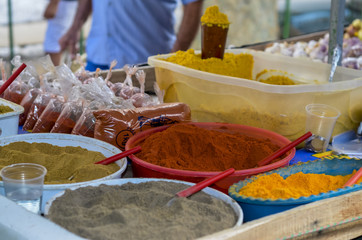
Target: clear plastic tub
279, 108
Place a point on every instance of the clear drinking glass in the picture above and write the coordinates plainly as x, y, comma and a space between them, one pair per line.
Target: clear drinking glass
23, 184
321, 119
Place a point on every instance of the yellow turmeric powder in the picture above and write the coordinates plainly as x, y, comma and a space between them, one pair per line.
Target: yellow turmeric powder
297, 185
5, 109
234, 65
213, 16
278, 80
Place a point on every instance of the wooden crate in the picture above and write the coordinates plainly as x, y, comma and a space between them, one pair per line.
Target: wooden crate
333, 218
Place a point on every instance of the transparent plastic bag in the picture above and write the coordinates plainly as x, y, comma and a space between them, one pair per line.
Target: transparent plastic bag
141, 99
68, 117
16, 91
27, 102
86, 123
49, 116
127, 87
116, 126
36, 109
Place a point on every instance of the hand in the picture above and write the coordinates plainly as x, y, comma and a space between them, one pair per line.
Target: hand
69, 41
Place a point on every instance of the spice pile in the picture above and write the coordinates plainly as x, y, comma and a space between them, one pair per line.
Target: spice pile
139, 211
189, 147
274, 186
63, 164
233, 65
5, 109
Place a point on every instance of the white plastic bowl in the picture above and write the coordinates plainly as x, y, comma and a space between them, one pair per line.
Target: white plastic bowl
60, 139
9, 121
215, 193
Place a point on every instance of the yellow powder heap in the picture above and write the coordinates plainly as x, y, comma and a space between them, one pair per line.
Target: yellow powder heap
212, 15
5, 109
278, 80
64, 164
233, 65
297, 185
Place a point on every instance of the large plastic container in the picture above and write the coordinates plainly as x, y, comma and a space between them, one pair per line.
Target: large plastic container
255, 208
62, 140
141, 168
279, 108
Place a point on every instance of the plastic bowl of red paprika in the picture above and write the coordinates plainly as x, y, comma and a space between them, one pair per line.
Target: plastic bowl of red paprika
257, 207
144, 169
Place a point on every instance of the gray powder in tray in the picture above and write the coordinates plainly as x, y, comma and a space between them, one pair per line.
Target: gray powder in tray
139, 211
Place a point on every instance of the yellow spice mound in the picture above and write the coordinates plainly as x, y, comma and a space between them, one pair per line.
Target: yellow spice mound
5, 109
278, 80
297, 185
233, 65
212, 15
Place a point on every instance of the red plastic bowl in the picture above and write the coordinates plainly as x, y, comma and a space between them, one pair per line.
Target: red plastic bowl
143, 169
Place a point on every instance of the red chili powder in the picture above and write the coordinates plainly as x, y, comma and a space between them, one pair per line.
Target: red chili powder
188, 147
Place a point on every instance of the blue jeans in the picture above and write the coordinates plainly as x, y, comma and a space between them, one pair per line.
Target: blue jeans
92, 67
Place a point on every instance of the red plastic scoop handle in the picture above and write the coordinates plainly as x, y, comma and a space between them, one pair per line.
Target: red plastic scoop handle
12, 78
205, 183
354, 178
119, 156
284, 149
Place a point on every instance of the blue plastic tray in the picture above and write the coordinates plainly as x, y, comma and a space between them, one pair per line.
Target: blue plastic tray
255, 208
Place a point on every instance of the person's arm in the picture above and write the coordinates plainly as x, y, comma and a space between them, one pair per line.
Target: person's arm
189, 26
51, 9
71, 37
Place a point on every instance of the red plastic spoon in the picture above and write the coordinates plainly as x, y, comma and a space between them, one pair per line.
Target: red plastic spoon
284, 149
115, 157
119, 156
201, 185
12, 78
354, 178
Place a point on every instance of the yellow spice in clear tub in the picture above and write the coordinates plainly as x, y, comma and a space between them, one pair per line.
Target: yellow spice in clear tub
233, 65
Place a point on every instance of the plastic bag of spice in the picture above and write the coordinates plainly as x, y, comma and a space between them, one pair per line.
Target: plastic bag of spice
27, 102
96, 89
86, 122
67, 79
49, 116
81, 74
16, 91
68, 117
36, 109
116, 126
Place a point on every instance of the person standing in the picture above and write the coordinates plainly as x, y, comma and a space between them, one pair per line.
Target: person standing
60, 15
131, 31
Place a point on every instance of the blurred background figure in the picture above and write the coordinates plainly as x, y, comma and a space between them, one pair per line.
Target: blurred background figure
60, 15
131, 31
